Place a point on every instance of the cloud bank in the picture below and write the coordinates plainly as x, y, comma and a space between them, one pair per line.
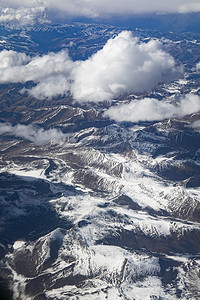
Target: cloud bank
124, 65
39, 136
150, 109
107, 8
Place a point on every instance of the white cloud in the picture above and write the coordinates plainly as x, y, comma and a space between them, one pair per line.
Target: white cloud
193, 6
22, 3
23, 15
50, 87
150, 109
94, 8
123, 65
196, 125
51, 72
17, 67
9, 59
104, 8
34, 134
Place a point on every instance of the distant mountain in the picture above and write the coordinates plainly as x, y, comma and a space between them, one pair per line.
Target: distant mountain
176, 22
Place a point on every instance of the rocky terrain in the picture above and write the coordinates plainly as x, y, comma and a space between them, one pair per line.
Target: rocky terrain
103, 210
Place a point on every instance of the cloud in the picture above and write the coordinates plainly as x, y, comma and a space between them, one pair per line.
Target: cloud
34, 134
21, 3
123, 65
9, 59
196, 125
50, 87
198, 66
18, 67
23, 15
96, 8
50, 72
105, 8
150, 109
193, 6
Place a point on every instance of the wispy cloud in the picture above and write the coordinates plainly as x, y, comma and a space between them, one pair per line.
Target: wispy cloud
49, 87
150, 109
31, 133
124, 65
106, 8
96, 8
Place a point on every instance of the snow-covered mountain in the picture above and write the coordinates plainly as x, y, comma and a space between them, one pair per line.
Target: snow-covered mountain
102, 210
